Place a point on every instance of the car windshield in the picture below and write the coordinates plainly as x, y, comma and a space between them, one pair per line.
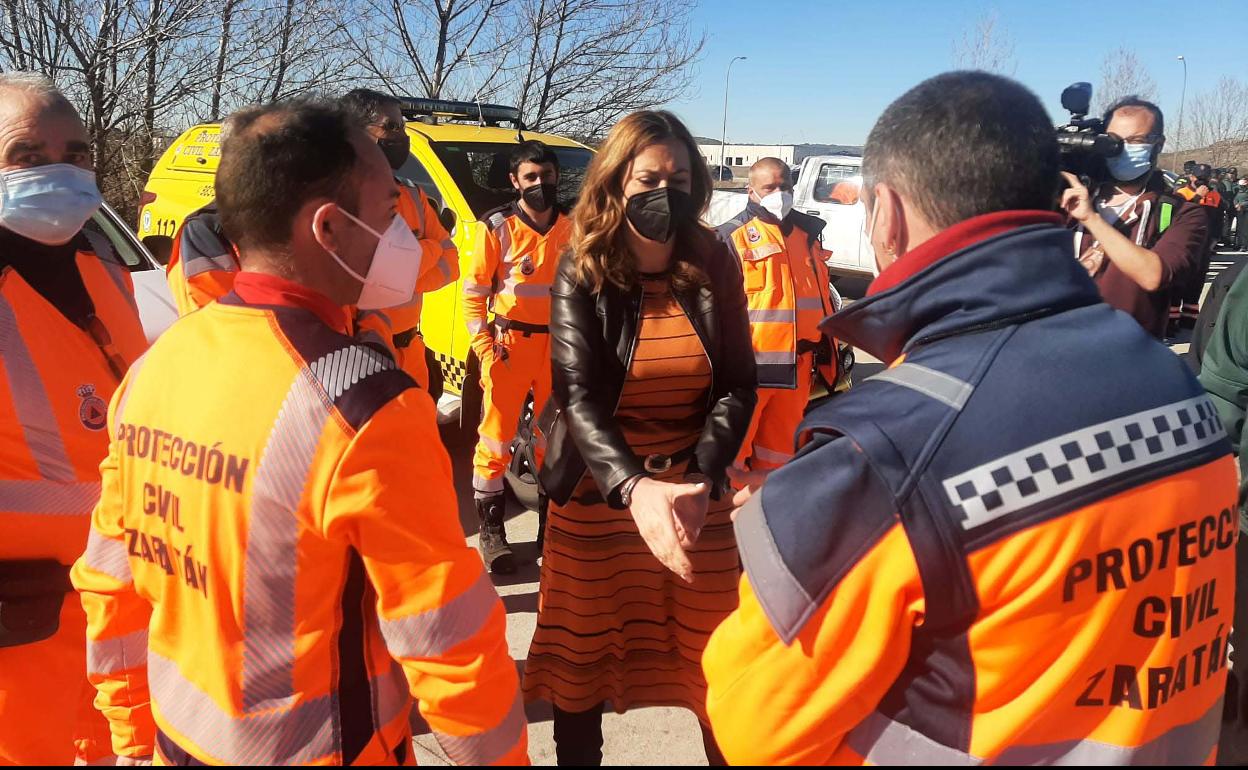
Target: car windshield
482, 172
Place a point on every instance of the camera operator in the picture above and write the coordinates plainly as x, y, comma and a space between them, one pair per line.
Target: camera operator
1135, 239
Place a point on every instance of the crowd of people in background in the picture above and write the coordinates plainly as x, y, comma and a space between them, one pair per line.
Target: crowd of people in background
1015, 544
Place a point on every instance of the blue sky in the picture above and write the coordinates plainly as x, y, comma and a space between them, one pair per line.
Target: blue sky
823, 70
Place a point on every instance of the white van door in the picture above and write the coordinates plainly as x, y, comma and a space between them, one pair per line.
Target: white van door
828, 187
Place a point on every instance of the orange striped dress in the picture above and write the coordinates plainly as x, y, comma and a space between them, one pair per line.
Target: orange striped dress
613, 623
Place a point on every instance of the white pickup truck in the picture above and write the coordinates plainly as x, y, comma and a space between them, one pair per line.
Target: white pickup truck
827, 186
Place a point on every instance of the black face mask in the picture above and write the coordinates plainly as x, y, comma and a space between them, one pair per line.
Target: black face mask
397, 151
540, 197
655, 214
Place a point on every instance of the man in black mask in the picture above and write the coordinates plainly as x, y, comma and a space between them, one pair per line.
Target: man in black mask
439, 264
511, 270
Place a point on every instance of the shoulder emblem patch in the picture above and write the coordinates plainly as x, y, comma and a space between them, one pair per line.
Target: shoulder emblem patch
92, 412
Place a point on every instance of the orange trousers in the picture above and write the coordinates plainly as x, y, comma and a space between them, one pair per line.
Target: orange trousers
46, 712
773, 428
519, 363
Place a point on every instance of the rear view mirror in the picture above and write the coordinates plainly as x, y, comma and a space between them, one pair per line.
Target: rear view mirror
448, 219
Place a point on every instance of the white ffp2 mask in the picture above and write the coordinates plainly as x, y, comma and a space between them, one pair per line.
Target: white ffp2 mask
868, 225
391, 279
778, 203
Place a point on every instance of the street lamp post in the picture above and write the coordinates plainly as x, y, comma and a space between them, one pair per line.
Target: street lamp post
723, 137
1182, 102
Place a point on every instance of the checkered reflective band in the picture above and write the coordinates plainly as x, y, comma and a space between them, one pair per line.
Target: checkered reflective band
454, 371
1065, 464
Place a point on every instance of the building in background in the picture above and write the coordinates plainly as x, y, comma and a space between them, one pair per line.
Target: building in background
740, 157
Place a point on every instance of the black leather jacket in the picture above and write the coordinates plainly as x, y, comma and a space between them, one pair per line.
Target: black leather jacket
592, 340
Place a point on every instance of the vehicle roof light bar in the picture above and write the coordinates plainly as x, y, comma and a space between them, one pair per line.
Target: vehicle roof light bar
489, 114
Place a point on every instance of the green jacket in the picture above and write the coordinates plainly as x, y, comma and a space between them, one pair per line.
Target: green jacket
1241, 197
1224, 375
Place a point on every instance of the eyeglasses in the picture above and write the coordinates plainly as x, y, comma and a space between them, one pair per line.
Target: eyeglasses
1138, 138
389, 126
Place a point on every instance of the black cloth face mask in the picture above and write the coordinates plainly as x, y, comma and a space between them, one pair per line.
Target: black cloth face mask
655, 214
397, 151
540, 197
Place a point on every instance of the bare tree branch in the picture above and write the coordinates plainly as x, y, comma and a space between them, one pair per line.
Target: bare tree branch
987, 46
1123, 74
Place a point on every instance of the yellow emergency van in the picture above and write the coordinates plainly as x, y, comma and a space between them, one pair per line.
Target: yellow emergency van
459, 157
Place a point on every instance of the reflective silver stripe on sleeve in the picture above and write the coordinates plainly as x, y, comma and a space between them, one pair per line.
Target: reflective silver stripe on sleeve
945, 388
433, 632
108, 556
488, 747
204, 264
49, 498
106, 657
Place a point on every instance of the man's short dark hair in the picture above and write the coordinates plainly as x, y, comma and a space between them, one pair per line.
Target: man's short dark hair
365, 104
533, 151
1135, 102
963, 144
278, 157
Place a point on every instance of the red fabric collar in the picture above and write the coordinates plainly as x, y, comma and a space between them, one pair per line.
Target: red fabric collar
956, 238
265, 289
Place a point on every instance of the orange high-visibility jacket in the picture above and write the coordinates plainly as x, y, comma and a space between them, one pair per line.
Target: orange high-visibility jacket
53, 403
273, 574
439, 261
786, 287
983, 556
56, 377
202, 263
513, 266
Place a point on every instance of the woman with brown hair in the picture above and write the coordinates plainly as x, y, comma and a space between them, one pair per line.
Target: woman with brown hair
653, 389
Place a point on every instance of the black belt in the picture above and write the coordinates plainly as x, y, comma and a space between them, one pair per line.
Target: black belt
404, 339
661, 463
654, 463
812, 346
527, 329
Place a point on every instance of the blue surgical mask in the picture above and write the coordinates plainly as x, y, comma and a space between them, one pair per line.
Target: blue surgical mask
48, 204
1133, 162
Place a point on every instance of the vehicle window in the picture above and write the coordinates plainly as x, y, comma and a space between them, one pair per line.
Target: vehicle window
837, 184
123, 244
482, 172
414, 174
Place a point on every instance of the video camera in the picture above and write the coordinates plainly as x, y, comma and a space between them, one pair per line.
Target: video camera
1083, 143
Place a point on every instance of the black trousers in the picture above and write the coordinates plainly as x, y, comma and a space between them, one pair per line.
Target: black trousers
1241, 231
578, 739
